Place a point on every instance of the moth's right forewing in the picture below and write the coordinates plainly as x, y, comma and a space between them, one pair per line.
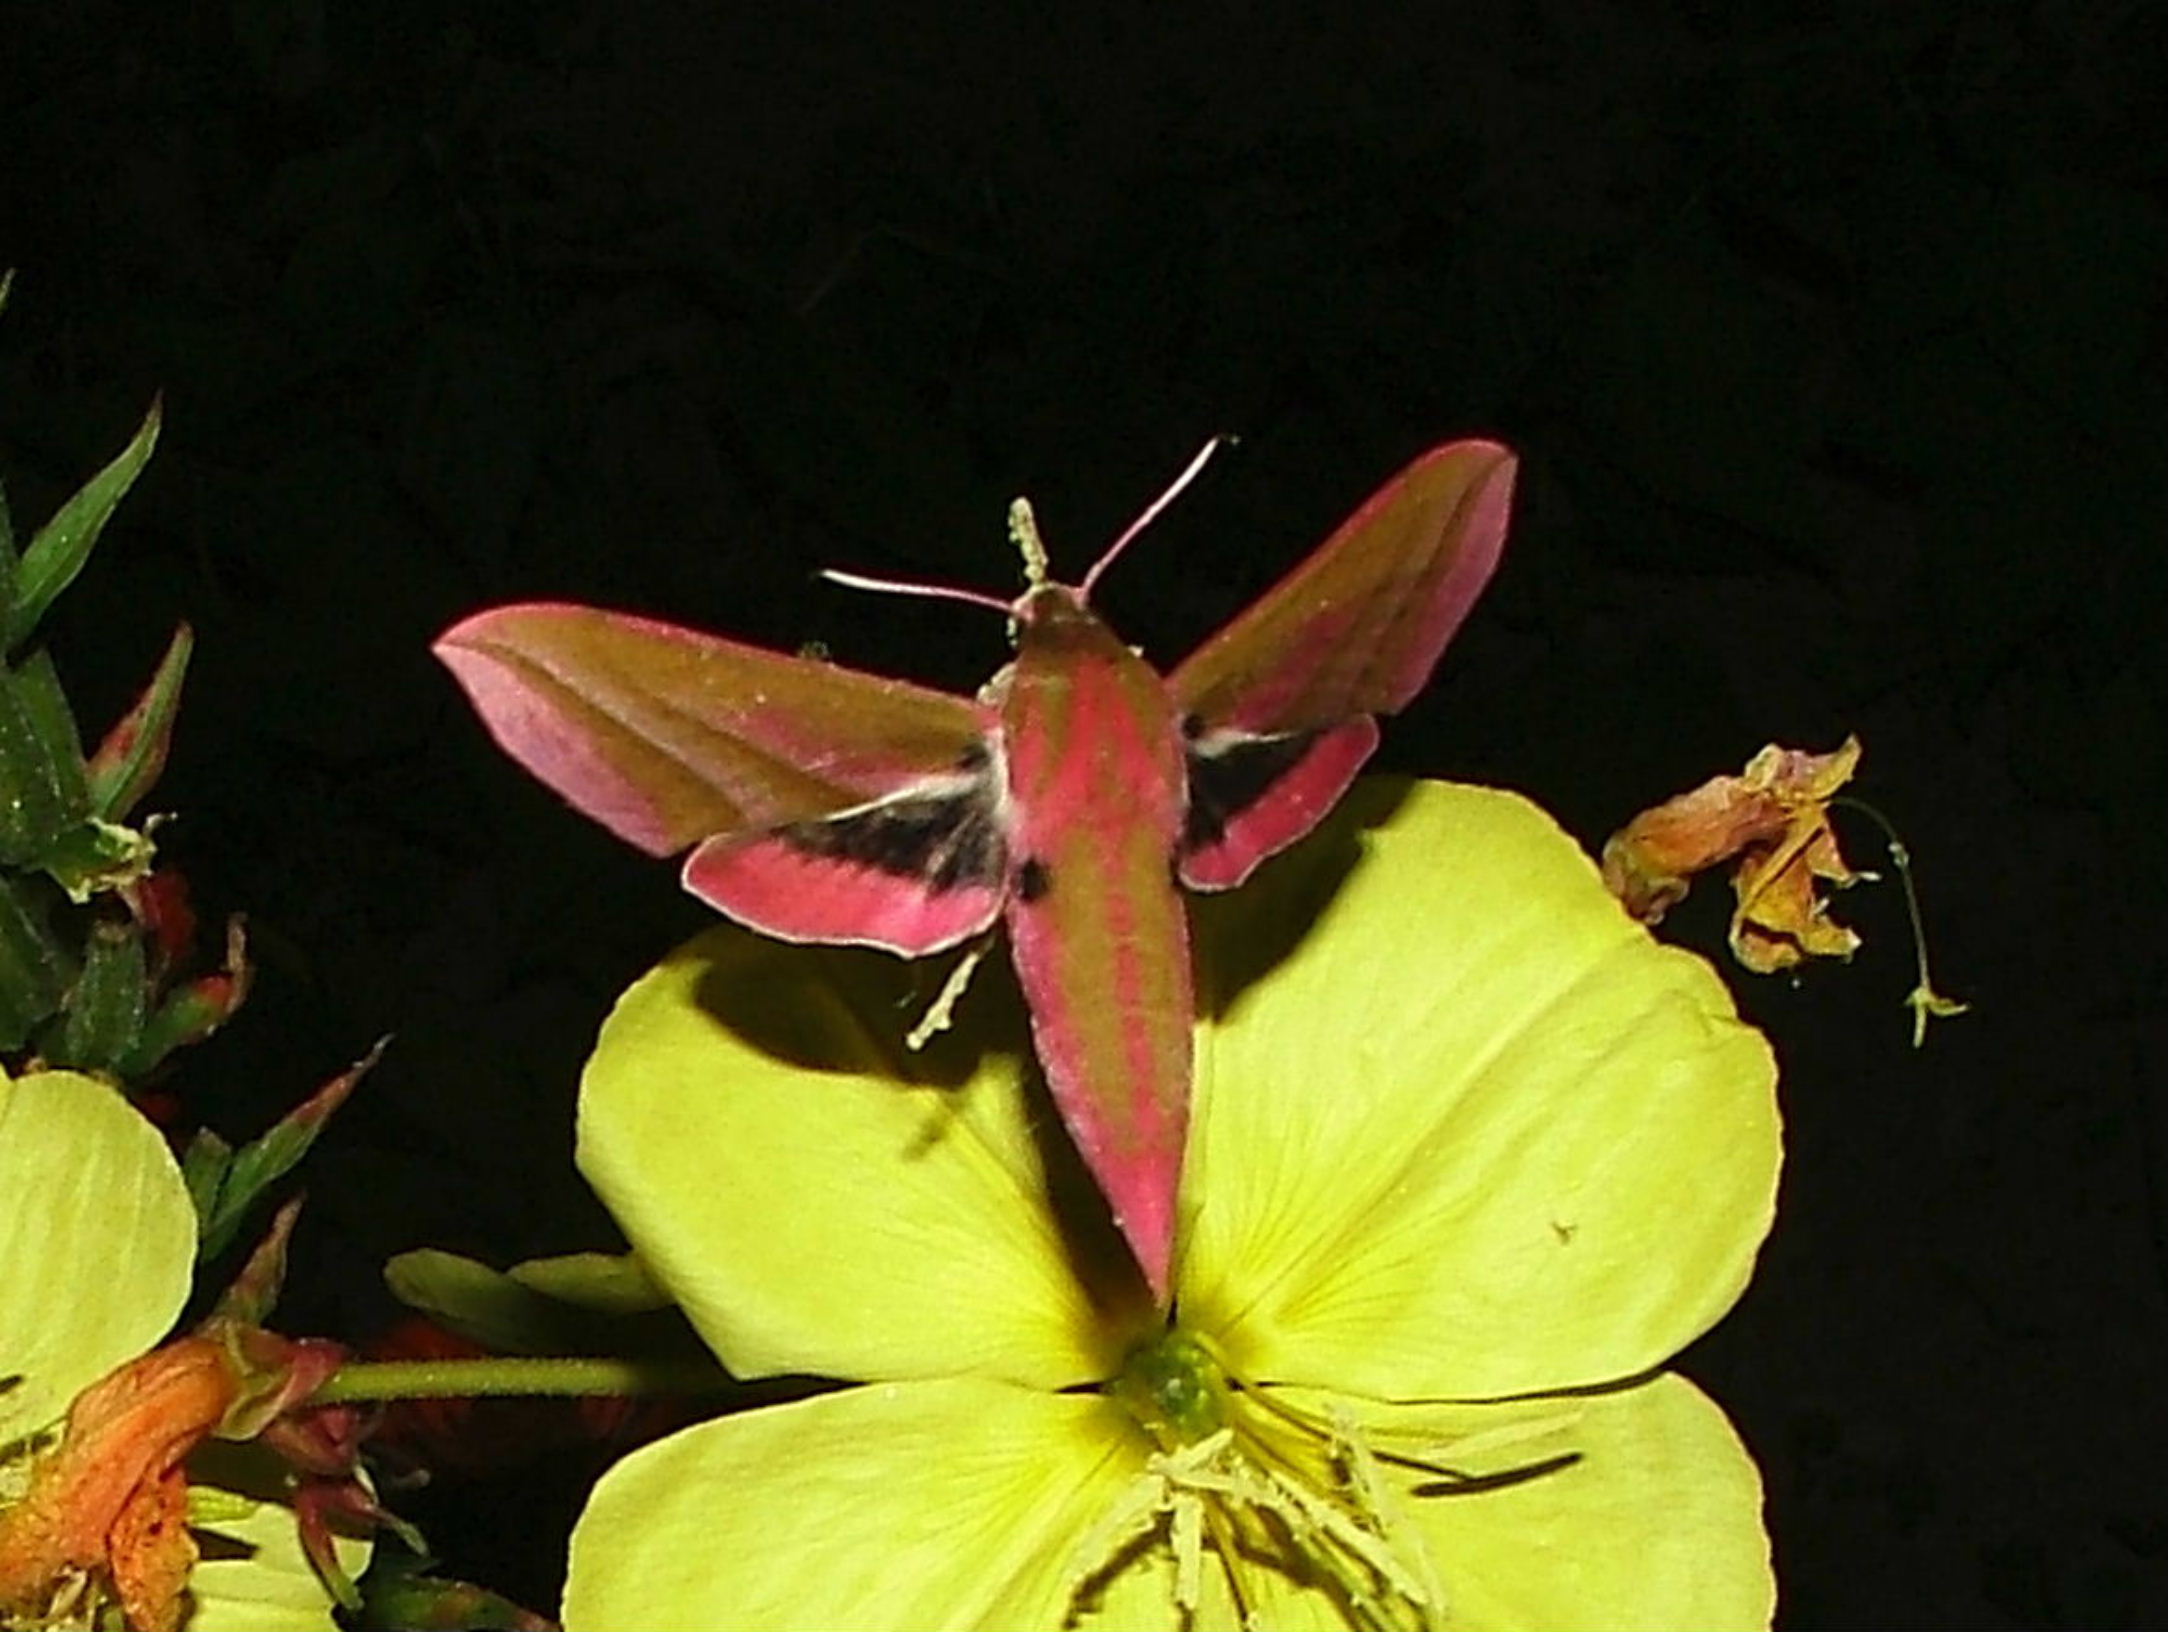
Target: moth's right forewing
1280, 705
1359, 625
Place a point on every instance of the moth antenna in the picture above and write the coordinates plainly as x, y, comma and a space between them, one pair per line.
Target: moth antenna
1151, 512
905, 586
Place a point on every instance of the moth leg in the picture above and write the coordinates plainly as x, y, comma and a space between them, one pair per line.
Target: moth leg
941, 1012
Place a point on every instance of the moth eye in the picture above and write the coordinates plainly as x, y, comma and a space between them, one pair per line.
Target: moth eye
1192, 727
1033, 880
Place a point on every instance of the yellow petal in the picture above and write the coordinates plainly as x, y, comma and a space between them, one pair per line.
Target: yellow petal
253, 1575
97, 1237
911, 1506
1657, 1526
819, 1199
1468, 1131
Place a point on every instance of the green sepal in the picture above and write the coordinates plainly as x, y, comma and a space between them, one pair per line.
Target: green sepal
94, 857
204, 1165
189, 1014
576, 1304
225, 1182
253, 1293
129, 760
103, 1016
606, 1283
63, 544
34, 971
398, 1595
43, 794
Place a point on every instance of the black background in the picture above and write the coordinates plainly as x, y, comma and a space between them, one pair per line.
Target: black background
1831, 338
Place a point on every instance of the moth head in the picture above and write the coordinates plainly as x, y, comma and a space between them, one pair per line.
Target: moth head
1032, 607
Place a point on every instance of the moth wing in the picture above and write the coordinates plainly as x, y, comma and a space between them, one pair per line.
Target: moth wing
918, 871
776, 767
1279, 704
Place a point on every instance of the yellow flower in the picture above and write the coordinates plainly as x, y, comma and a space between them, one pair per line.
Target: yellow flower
97, 1243
1471, 1157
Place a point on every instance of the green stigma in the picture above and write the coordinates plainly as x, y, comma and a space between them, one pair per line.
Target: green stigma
1175, 1390
1249, 1488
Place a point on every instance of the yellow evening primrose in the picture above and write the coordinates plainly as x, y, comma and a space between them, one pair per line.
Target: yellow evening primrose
1471, 1157
97, 1247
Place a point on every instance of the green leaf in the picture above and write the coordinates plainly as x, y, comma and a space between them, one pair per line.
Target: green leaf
33, 968
7, 538
42, 790
264, 1161
104, 1011
46, 703
128, 762
7, 558
63, 544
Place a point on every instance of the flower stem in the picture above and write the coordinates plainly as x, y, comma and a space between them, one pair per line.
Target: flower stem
437, 1379
1924, 1001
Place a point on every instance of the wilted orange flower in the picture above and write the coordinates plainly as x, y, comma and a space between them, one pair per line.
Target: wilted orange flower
109, 1504
1774, 818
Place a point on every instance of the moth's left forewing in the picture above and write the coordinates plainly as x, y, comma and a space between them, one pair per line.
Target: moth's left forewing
668, 735
823, 804
1278, 706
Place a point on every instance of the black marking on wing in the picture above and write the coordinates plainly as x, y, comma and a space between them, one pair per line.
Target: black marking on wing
1228, 775
947, 838
1033, 880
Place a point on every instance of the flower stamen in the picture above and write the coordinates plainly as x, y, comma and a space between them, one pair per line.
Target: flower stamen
1269, 1488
